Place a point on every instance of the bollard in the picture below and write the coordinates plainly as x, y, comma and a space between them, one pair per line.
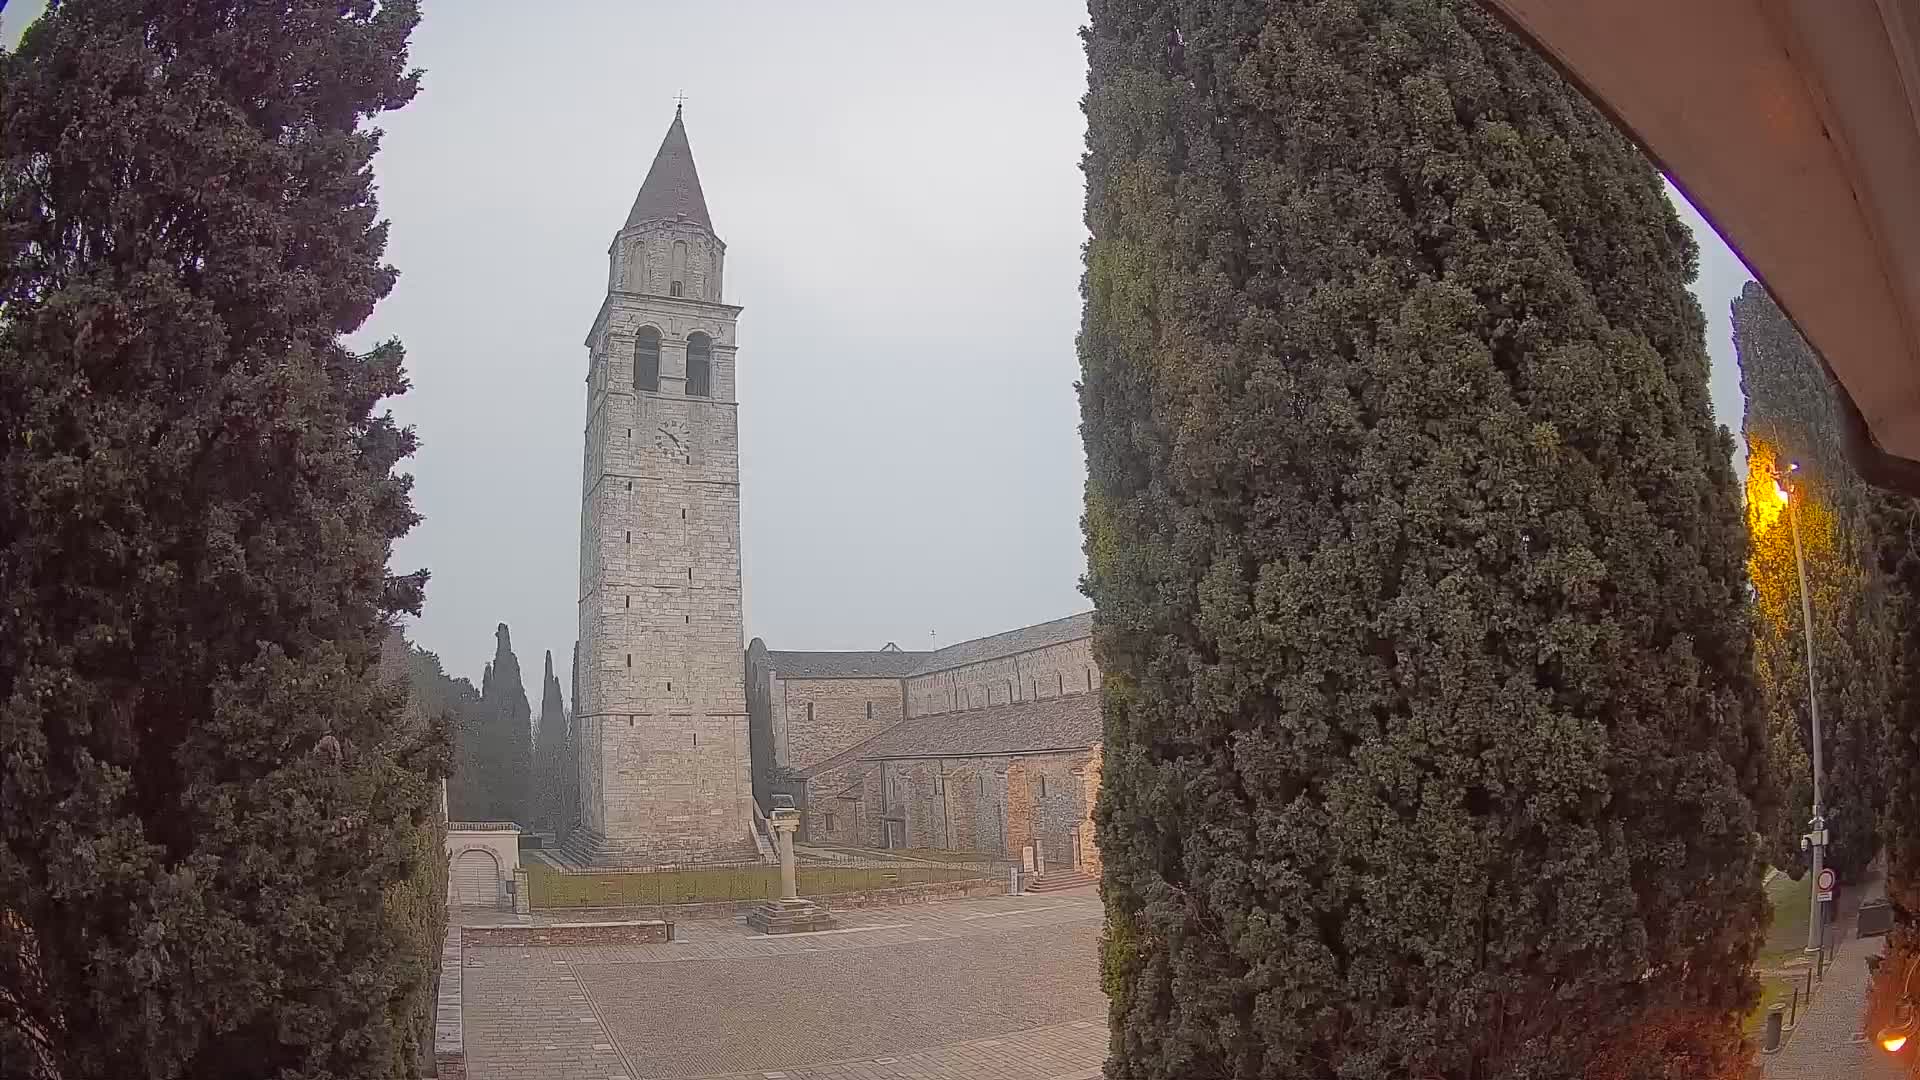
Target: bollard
1793, 1014
1776, 1013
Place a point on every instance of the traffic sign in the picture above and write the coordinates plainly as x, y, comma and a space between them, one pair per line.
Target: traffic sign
1823, 885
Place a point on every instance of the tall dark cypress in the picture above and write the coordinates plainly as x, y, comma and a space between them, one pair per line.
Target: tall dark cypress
505, 752
549, 757
570, 778
208, 793
1897, 530
1432, 746
1792, 418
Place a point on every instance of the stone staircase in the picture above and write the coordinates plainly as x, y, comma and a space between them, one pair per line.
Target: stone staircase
762, 841
1058, 880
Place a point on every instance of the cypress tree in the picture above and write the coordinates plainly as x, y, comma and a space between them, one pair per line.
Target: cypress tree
1432, 747
1792, 417
209, 795
505, 738
457, 704
570, 778
1897, 529
550, 749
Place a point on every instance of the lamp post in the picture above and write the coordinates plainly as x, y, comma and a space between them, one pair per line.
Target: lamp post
1816, 839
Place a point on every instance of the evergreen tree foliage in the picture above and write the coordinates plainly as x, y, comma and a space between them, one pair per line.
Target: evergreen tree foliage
1793, 418
1897, 528
501, 758
417, 906
456, 703
570, 780
1432, 745
550, 751
211, 801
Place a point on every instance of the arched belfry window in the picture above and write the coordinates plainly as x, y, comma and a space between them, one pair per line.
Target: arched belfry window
679, 286
699, 365
646, 360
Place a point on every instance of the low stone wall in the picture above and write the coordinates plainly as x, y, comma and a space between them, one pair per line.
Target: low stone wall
619, 932
726, 909
449, 1037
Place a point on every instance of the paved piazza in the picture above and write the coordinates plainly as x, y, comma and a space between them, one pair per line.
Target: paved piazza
1005, 988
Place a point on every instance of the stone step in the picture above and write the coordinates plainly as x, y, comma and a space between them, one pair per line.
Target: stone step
1056, 880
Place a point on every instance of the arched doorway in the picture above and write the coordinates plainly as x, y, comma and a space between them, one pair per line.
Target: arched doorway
475, 880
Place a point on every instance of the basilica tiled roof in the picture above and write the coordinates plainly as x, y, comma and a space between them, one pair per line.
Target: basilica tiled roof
1027, 638
1069, 722
875, 664
895, 663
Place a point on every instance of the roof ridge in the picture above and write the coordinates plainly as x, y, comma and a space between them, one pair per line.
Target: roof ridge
933, 664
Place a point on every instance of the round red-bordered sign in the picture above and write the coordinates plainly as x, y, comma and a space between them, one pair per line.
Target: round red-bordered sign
1825, 881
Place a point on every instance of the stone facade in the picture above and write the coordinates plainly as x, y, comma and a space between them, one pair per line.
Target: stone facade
1049, 671
474, 845
997, 805
814, 719
990, 745
662, 715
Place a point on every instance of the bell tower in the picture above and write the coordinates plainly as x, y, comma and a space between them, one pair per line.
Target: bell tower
662, 717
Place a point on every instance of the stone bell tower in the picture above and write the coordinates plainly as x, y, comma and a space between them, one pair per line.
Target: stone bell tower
662, 716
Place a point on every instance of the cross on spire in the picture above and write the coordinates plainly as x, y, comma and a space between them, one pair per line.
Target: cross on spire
679, 99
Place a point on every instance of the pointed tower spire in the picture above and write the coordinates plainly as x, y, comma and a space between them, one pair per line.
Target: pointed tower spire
672, 187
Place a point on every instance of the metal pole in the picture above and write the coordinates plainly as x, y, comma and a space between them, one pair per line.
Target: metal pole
1818, 846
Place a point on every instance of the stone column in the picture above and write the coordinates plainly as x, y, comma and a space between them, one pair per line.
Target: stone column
789, 914
783, 829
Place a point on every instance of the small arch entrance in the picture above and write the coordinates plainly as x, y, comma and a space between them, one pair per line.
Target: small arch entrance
476, 879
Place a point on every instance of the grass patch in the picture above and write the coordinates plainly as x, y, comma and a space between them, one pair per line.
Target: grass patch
1787, 926
549, 888
1772, 989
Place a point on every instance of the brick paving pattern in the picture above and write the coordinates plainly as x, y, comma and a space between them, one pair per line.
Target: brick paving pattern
1828, 1043
1005, 988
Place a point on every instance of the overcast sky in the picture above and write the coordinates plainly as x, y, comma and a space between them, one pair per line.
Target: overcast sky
899, 189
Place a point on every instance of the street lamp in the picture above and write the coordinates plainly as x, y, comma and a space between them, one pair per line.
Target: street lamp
1894, 1037
1815, 842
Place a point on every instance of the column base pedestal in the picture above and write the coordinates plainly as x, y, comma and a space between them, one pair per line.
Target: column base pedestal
790, 917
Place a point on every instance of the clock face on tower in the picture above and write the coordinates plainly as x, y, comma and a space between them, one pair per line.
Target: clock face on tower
671, 439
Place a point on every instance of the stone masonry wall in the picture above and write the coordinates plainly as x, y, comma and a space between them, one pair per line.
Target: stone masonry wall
995, 804
843, 712
1089, 776
665, 765
1038, 673
624, 932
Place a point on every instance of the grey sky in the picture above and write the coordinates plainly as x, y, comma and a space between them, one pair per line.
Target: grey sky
899, 189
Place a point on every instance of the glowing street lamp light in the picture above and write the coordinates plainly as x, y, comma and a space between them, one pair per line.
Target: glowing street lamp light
1894, 1037
1815, 842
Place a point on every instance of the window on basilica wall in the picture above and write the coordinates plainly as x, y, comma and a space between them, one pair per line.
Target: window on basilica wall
646, 360
699, 366
679, 268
